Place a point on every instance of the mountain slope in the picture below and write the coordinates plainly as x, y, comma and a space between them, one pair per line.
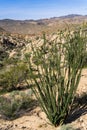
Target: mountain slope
38, 26
2, 30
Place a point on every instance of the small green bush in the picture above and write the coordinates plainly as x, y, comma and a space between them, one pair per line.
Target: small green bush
26, 99
11, 105
55, 68
13, 76
3, 56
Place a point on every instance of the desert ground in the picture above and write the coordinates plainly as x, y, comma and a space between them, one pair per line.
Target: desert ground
35, 118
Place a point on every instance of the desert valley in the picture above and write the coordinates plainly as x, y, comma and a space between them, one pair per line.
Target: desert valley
30, 57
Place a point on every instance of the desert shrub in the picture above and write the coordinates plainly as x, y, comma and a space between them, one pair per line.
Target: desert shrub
55, 68
13, 76
11, 105
3, 56
26, 99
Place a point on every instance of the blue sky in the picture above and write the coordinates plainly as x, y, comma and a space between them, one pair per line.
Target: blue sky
36, 9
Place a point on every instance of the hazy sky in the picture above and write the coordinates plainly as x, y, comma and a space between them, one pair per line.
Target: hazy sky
36, 9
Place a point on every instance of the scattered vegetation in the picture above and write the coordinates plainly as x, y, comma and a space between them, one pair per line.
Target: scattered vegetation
53, 70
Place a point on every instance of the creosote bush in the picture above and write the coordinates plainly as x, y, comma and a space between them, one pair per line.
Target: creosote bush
12, 104
55, 68
13, 76
9, 108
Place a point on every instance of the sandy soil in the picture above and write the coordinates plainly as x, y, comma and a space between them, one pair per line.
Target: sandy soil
36, 119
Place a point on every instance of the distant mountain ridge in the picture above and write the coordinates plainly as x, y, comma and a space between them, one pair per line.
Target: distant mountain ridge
71, 16
36, 26
64, 16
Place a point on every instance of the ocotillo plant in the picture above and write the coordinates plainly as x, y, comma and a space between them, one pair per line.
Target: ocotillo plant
55, 68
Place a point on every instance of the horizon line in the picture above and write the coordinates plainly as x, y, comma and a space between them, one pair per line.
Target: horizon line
42, 18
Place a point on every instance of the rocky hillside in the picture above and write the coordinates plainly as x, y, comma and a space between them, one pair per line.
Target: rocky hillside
38, 26
2, 30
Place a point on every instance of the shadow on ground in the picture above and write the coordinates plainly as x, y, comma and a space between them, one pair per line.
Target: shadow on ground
79, 108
